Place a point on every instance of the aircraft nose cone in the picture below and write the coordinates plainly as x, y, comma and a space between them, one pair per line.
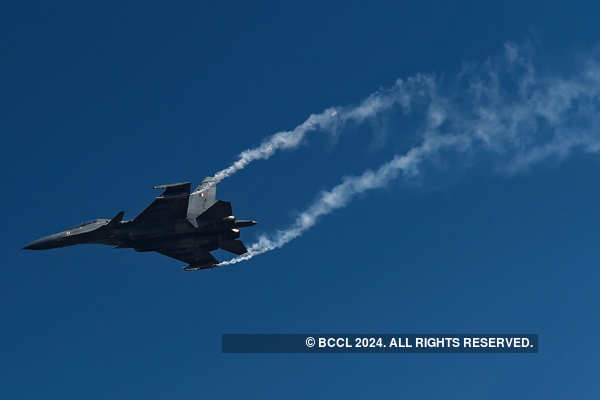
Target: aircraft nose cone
48, 242
39, 244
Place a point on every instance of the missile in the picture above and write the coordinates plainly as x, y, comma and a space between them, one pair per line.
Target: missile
198, 267
242, 223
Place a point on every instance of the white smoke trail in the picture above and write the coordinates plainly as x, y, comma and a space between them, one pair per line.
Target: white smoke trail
341, 194
403, 93
506, 110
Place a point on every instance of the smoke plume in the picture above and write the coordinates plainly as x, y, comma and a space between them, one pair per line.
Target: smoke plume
404, 93
504, 109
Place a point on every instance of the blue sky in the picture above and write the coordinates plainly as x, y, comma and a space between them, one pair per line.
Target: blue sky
100, 103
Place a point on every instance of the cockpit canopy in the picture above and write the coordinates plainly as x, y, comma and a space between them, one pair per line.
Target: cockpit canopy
89, 223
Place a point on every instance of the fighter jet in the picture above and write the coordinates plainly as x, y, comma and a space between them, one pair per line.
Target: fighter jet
179, 224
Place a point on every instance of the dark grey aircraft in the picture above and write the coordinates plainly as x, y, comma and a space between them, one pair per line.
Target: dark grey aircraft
178, 224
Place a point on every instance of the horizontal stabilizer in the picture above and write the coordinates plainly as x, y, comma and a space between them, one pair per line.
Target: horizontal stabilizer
233, 246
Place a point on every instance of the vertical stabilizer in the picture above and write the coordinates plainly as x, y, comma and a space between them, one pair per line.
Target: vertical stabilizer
204, 196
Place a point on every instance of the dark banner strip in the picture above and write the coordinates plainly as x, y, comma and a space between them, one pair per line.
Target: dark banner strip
380, 343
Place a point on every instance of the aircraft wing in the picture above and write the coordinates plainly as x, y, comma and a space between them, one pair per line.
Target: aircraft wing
195, 257
170, 205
